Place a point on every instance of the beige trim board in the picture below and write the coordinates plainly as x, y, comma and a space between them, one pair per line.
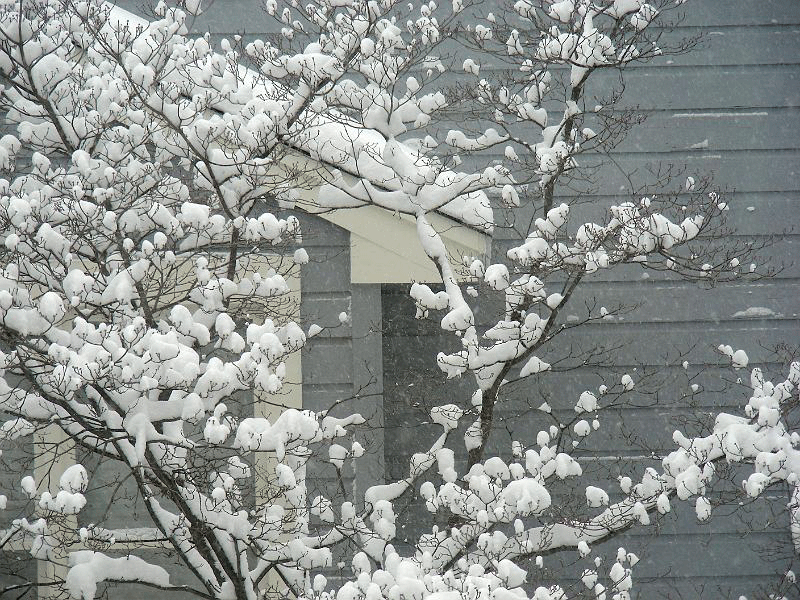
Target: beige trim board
385, 247
54, 452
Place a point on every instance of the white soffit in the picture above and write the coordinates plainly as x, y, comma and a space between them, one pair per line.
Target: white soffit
385, 247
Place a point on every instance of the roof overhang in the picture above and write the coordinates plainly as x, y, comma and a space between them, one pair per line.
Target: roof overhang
385, 247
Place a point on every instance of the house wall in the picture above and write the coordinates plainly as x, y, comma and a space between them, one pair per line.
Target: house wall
730, 109
739, 90
343, 364
736, 97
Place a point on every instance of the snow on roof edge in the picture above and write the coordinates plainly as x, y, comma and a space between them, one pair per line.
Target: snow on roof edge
453, 211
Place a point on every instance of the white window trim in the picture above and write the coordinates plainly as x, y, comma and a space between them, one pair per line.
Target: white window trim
53, 454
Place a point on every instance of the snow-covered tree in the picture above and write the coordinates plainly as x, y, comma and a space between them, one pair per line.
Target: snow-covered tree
147, 319
147, 313
147, 309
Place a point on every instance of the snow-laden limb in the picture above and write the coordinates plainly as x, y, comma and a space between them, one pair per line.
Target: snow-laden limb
489, 497
538, 40
760, 437
460, 315
91, 568
499, 494
355, 154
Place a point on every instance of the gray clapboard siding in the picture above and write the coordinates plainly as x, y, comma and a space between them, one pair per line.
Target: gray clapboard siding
656, 301
646, 343
676, 397
112, 500
329, 362
736, 130
670, 131
740, 46
734, 45
709, 14
718, 309
683, 558
750, 214
739, 91
368, 381
655, 88
325, 283
16, 462
723, 87
660, 422
751, 171
780, 255
231, 16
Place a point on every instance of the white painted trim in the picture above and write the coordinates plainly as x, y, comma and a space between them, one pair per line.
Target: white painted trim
290, 396
53, 454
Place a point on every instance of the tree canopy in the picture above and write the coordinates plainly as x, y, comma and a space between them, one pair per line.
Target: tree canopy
151, 230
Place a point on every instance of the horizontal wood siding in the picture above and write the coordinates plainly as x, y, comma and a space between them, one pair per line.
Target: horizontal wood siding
738, 96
